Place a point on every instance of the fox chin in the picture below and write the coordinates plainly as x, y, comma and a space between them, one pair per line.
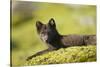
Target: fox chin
49, 34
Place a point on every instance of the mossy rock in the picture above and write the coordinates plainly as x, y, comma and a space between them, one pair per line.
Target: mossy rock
66, 55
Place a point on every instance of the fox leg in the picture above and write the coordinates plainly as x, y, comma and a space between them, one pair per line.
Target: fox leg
39, 53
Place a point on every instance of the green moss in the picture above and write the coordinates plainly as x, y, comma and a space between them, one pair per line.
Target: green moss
66, 55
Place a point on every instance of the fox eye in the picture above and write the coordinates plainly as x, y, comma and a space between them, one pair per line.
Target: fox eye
42, 32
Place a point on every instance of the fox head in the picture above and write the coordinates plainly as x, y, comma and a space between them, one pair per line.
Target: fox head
47, 32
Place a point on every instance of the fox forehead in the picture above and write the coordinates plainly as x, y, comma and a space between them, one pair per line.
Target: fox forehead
45, 27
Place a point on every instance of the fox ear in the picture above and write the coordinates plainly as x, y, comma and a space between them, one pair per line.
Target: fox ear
38, 25
52, 22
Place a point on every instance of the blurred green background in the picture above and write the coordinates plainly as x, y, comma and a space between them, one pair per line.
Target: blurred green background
70, 19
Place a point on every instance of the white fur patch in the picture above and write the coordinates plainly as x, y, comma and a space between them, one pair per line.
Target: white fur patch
44, 37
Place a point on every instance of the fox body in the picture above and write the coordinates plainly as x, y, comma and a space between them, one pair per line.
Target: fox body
49, 34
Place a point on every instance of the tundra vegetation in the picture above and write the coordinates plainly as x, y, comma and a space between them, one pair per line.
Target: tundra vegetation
66, 55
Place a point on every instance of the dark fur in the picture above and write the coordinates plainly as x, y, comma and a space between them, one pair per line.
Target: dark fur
49, 34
